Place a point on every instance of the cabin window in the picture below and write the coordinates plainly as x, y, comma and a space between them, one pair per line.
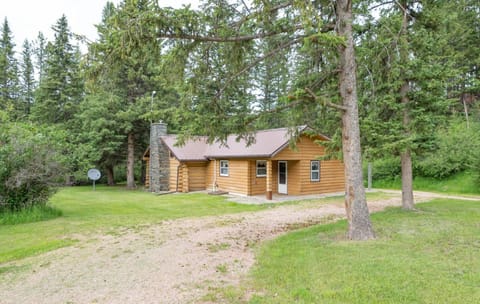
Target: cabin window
261, 168
315, 170
224, 168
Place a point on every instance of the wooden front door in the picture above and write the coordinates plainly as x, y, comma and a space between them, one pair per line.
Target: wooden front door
282, 177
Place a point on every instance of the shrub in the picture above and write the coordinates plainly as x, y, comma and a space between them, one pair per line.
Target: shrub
455, 152
385, 168
30, 164
476, 167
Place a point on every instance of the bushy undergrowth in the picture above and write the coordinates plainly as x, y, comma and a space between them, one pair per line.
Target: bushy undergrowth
460, 183
386, 168
457, 150
30, 163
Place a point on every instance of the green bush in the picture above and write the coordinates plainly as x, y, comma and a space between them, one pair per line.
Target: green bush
476, 167
30, 164
385, 168
456, 151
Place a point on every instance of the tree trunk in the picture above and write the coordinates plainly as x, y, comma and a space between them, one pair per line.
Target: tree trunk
465, 110
110, 176
405, 155
407, 181
359, 224
131, 161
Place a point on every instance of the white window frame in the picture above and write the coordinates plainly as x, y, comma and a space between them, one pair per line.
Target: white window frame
265, 168
314, 171
224, 168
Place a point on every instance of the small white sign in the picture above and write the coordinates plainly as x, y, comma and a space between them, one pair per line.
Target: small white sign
94, 174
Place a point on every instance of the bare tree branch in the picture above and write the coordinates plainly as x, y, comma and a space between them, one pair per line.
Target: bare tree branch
381, 4
246, 7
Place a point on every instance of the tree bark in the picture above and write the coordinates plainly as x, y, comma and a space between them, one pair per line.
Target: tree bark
131, 161
465, 110
405, 156
359, 224
407, 181
110, 176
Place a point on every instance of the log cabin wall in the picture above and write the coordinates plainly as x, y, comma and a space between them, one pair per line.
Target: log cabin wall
332, 178
258, 184
237, 179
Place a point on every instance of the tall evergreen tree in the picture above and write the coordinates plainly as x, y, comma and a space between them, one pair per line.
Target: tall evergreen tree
40, 56
126, 71
27, 78
8, 70
61, 89
405, 66
272, 77
463, 22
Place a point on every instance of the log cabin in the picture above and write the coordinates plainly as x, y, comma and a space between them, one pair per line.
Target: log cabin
269, 165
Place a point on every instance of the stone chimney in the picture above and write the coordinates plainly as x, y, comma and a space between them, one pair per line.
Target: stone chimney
159, 159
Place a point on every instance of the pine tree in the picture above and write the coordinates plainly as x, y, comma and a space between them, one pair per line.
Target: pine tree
8, 71
61, 89
27, 78
127, 72
40, 56
405, 63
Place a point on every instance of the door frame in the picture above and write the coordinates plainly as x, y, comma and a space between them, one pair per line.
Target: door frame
283, 188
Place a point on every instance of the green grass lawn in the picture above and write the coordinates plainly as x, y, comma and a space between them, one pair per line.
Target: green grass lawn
104, 211
460, 183
428, 256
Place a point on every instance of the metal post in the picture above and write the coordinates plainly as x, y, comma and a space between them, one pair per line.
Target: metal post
151, 107
369, 176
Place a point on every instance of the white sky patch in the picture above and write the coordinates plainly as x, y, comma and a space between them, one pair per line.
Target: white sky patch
28, 17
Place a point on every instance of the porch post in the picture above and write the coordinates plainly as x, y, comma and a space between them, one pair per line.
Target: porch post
269, 180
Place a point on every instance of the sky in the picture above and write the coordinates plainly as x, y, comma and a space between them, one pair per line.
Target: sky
28, 17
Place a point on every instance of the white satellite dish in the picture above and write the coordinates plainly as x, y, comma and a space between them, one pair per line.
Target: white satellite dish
94, 175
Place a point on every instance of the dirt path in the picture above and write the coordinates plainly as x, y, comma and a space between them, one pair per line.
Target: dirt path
177, 261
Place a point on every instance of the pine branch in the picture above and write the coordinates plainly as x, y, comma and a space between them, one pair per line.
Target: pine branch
271, 10
371, 8
273, 111
325, 102
183, 36
256, 61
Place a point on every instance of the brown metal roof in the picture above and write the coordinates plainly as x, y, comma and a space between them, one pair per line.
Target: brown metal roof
267, 144
193, 150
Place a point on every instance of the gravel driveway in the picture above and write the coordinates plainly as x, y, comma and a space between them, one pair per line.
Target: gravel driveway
177, 261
